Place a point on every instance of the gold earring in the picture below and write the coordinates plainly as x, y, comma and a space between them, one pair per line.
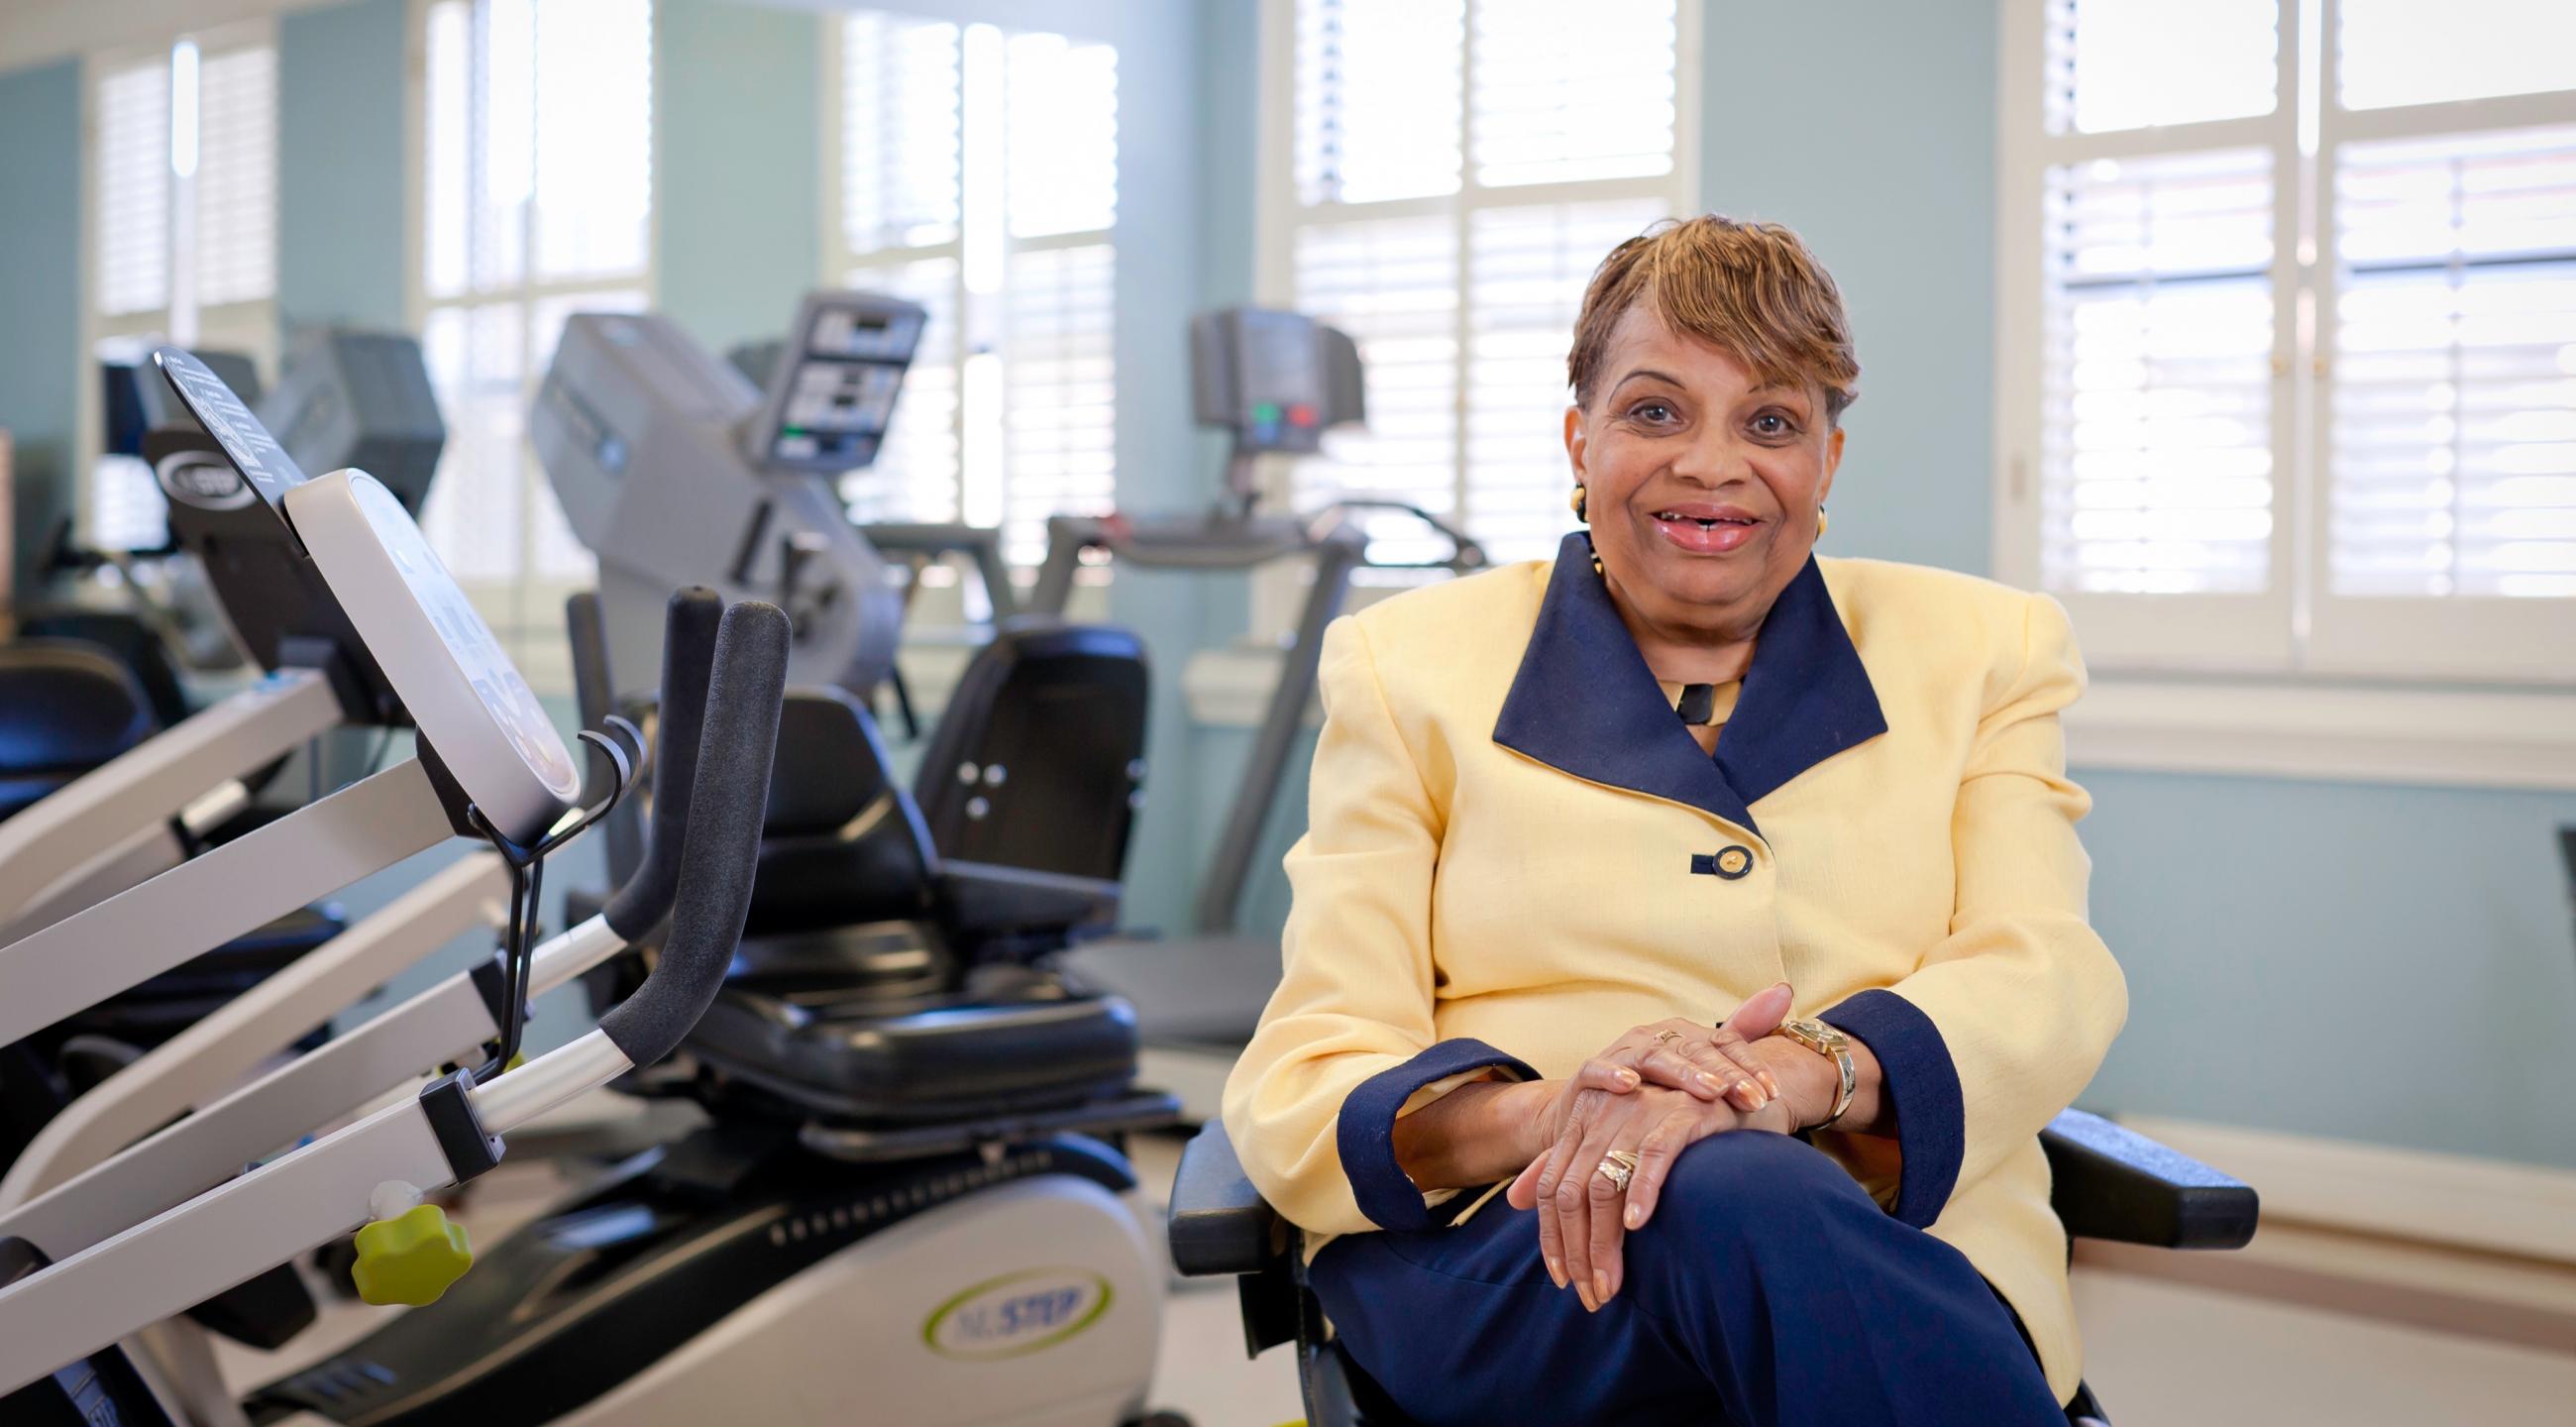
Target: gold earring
1577, 503
1822, 521
1589, 548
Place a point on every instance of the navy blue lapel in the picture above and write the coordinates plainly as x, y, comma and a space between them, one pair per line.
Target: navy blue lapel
1585, 703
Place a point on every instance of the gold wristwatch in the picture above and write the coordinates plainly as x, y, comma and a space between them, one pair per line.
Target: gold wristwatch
1825, 1040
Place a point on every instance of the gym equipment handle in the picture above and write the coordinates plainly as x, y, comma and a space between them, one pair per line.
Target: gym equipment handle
721, 847
688, 659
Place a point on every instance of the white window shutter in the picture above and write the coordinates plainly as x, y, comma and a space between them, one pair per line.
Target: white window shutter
1380, 84
2157, 433
236, 182
538, 199
132, 164
1527, 271
1392, 284
1461, 167
2453, 429
900, 161
589, 101
1572, 92
2397, 52
2128, 64
1059, 402
1063, 126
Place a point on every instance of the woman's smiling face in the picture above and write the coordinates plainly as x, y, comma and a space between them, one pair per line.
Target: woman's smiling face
1702, 481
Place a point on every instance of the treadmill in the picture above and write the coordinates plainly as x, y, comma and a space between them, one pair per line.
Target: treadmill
914, 545
1275, 382
675, 470
637, 420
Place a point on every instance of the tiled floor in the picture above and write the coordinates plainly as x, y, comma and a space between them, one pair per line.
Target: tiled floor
2162, 1354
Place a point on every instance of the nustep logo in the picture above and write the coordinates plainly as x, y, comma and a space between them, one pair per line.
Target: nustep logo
1017, 1314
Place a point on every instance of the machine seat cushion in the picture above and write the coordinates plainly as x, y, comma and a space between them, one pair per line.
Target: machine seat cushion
921, 1059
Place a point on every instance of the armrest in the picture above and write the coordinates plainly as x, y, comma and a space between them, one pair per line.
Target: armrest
2120, 1186
985, 900
1220, 1223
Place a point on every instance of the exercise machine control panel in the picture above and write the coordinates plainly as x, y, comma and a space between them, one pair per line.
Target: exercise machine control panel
1276, 380
832, 389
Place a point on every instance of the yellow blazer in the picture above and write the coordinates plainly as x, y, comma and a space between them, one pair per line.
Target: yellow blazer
1515, 851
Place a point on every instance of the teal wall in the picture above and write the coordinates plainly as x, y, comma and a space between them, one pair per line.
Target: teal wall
2373, 963
1870, 128
740, 166
40, 222
342, 211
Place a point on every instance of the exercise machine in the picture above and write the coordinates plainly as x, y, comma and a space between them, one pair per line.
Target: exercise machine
916, 545
1275, 382
125, 799
904, 1195
490, 766
674, 469
156, 799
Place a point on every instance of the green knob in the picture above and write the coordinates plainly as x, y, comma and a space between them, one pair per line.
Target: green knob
411, 1258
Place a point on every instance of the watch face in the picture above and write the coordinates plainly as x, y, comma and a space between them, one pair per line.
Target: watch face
497, 682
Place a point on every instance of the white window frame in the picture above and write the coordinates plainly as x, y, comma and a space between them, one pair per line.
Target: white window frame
1279, 213
250, 327
983, 467
527, 613
2295, 681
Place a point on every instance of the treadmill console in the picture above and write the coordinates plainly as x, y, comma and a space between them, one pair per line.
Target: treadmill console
832, 389
1276, 380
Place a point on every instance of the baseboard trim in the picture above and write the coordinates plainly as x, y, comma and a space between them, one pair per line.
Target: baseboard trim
2522, 1211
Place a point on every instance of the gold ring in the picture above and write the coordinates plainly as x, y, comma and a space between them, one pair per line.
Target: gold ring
1618, 1166
1667, 1036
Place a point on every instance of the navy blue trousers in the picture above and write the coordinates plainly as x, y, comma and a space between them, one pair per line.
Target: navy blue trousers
1768, 1291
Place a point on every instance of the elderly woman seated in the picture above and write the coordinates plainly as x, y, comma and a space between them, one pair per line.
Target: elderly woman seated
1689, 938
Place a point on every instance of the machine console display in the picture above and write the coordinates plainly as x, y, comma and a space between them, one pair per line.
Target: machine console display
832, 394
1277, 380
468, 700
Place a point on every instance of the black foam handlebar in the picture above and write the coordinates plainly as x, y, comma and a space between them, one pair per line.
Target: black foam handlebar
721, 847
688, 657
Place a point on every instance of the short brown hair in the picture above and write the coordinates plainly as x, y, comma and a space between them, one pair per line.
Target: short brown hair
1752, 290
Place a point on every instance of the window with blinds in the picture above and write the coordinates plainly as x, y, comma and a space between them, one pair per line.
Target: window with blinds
537, 203
2157, 452
2293, 384
978, 176
183, 185
1459, 167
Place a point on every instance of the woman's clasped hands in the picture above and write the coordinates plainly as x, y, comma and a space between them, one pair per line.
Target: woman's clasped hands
1635, 1107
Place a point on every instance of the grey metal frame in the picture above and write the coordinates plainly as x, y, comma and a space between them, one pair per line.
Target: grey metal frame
1227, 542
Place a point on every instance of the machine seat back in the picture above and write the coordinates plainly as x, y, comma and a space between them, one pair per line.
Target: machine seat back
1038, 761
65, 708
842, 844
